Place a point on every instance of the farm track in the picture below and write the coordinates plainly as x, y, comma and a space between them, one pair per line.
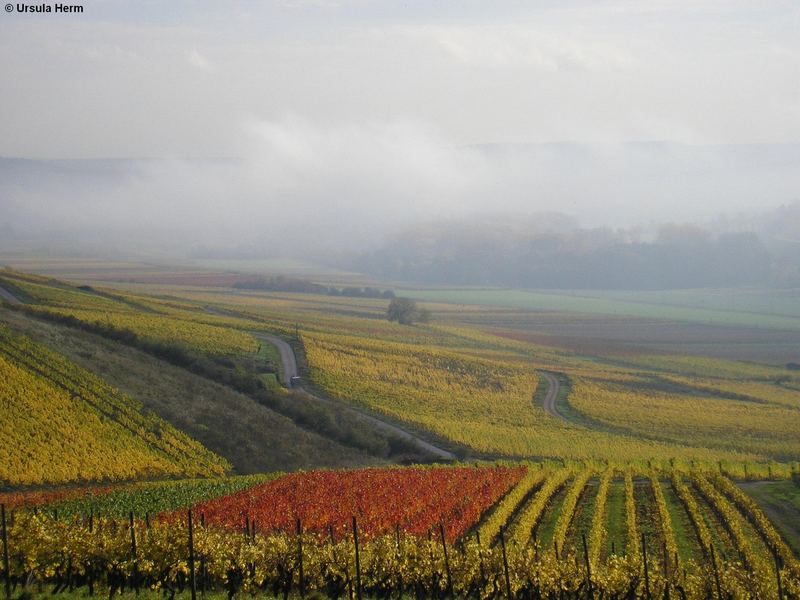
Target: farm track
288, 361
289, 365
549, 402
783, 515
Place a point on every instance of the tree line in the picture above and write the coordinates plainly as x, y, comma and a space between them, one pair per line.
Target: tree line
677, 256
280, 283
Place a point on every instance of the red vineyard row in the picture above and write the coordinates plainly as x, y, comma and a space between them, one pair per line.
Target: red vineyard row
415, 499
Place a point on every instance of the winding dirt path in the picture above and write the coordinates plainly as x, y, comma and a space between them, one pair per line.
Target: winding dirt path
549, 402
289, 366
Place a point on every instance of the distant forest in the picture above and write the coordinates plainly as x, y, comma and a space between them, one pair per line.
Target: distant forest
563, 257
280, 283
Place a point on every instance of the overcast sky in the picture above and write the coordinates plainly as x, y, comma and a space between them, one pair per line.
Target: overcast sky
364, 114
188, 78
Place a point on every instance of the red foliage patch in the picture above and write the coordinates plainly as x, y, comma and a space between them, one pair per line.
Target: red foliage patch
415, 499
33, 498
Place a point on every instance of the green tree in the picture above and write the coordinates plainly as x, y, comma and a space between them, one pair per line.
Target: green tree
406, 312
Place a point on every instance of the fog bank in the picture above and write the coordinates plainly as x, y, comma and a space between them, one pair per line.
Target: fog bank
308, 190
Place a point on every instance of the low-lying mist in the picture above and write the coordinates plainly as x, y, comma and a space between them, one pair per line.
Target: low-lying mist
398, 200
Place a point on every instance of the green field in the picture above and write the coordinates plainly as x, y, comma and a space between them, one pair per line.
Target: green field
778, 311
776, 302
781, 501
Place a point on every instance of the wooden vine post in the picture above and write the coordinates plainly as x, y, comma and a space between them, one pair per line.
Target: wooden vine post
399, 560
646, 572
716, 572
480, 556
6, 567
90, 566
203, 560
134, 557
778, 574
358, 559
192, 580
299, 528
505, 562
446, 562
588, 566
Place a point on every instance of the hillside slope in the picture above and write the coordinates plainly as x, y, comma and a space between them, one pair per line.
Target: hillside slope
61, 423
251, 436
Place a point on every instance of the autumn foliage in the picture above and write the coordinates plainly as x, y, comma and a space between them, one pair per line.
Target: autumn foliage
415, 499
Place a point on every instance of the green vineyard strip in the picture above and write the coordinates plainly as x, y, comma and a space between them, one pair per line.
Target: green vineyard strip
158, 497
731, 520
532, 512
510, 504
597, 535
568, 509
615, 521
695, 514
667, 531
632, 530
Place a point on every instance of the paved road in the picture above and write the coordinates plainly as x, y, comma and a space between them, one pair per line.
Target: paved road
8, 296
549, 403
289, 363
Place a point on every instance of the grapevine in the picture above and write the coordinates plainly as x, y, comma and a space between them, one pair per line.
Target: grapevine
532, 512
568, 508
597, 533
503, 511
733, 522
263, 564
693, 510
633, 545
664, 518
762, 524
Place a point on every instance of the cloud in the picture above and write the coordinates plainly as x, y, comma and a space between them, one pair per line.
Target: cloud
301, 187
722, 72
520, 47
199, 61
306, 188
358, 176
363, 117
